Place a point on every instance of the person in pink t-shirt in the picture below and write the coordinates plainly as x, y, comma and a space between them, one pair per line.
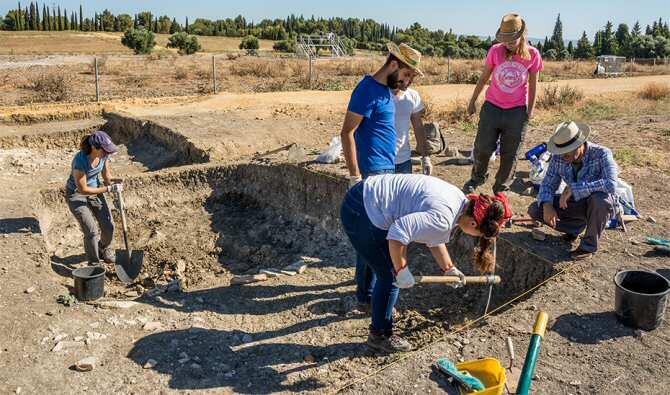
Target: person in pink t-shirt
513, 67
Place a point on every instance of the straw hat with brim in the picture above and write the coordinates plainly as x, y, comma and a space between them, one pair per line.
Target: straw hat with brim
511, 27
567, 137
406, 54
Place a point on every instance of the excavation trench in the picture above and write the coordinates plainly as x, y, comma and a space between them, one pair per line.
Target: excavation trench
206, 223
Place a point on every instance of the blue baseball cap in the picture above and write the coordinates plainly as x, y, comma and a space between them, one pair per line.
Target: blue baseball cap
100, 139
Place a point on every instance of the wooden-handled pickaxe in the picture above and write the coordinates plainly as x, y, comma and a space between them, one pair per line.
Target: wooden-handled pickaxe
489, 279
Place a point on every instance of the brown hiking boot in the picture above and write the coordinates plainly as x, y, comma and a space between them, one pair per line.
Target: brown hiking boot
108, 255
389, 344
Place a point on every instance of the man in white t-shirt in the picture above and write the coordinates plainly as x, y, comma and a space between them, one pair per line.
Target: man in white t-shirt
409, 110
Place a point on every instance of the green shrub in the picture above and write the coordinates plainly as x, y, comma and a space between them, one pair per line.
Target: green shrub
284, 46
141, 41
186, 43
250, 43
555, 96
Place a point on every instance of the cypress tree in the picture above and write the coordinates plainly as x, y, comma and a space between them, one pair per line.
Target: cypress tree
19, 17
81, 18
45, 18
38, 23
173, 26
52, 19
31, 17
95, 22
557, 36
66, 20
637, 30
59, 24
26, 21
584, 49
186, 29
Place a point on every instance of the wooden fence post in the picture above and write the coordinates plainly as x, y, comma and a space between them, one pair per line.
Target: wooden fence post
97, 82
214, 73
310, 71
448, 69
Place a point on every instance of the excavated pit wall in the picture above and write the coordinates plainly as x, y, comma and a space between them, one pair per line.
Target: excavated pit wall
129, 130
56, 140
310, 201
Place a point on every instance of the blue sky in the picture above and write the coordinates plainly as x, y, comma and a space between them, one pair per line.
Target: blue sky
464, 17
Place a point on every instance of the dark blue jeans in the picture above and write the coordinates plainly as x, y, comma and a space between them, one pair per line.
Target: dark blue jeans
365, 278
370, 243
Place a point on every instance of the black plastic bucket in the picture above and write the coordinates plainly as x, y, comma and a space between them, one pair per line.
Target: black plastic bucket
640, 298
89, 282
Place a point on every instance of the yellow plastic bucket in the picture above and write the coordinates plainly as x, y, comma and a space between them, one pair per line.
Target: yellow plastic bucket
490, 371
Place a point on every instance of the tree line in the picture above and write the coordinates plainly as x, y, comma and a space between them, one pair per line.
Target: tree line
653, 42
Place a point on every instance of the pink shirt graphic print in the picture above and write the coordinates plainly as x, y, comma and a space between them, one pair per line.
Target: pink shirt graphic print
509, 80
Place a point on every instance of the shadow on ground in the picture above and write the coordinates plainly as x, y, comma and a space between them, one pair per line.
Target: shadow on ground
211, 362
19, 225
591, 328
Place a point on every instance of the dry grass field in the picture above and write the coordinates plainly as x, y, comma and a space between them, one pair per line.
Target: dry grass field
48, 43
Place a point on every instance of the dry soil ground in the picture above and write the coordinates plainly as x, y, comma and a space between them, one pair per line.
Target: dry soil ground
293, 333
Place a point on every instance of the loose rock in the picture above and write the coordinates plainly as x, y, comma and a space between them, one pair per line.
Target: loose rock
150, 364
86, 364
152, 326
539, 235
248, 279
63, 344
271, 273
309, 358
30, 290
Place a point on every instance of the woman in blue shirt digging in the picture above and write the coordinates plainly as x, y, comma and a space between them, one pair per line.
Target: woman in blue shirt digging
384, 213
84, 194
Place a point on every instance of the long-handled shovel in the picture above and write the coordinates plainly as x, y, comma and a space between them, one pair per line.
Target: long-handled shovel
128, 263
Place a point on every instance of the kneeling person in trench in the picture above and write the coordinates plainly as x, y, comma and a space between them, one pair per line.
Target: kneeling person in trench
587, 202
383, 214
85, 198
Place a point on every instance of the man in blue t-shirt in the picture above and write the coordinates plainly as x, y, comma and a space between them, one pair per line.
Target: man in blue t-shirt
369, 133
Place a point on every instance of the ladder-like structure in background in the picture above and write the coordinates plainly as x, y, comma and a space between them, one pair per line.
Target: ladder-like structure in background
310, 45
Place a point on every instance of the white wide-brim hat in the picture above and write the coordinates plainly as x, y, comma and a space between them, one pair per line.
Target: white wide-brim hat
567, 137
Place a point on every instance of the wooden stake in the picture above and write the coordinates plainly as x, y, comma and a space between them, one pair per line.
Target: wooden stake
97, 83
214, 73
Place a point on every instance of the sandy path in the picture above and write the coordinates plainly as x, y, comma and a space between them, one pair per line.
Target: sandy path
440, 94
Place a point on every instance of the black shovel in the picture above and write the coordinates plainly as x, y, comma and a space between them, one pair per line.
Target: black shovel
128, 263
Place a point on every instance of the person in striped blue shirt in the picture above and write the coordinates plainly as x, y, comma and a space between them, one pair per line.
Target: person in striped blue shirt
587, 202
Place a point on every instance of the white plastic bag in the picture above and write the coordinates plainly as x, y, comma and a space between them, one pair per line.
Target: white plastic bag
538, 168
332, 154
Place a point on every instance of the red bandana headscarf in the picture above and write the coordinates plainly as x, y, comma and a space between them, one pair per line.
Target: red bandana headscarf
483, 202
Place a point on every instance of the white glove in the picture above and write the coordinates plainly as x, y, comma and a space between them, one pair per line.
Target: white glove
353, 180
455, 272
426, 166
114, 188
404, 278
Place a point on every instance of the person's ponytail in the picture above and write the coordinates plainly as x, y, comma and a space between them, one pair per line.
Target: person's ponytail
85, 145
484, 260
